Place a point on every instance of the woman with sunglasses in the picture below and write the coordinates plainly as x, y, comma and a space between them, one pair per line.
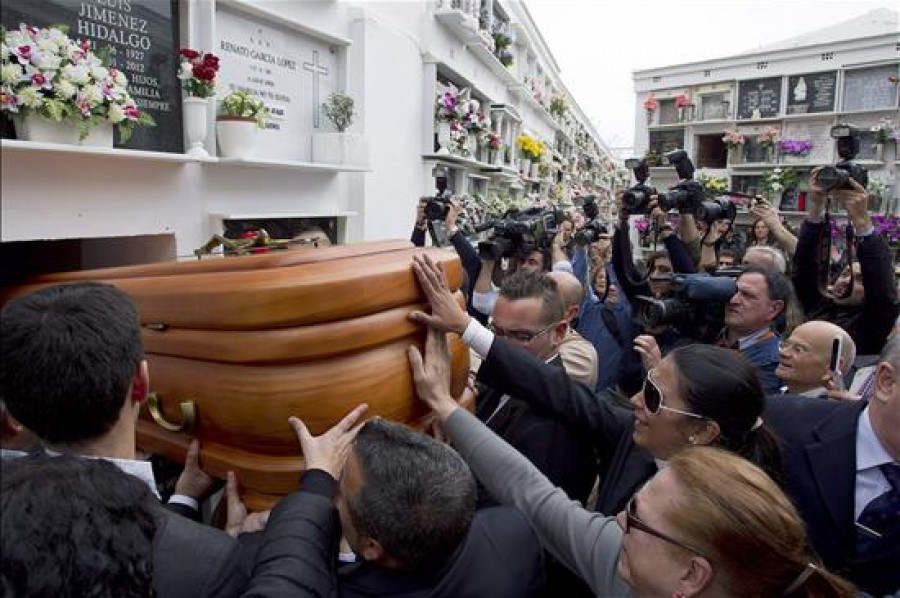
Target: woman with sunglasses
696, 395
709, 524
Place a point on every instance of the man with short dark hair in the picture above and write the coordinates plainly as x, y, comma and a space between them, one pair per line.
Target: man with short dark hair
407, 508
759, 300
73, 372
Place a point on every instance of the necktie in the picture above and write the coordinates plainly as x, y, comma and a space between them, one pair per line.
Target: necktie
882, 515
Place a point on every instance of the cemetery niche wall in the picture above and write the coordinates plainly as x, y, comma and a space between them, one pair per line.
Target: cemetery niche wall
144, 35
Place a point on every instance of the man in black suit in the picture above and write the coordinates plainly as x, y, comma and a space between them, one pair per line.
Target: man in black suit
842, 469
407, 509
73, 372
530, 314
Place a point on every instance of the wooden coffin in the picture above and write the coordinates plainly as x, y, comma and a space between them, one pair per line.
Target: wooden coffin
253, 340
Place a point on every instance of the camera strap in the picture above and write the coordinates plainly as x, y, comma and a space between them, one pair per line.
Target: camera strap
823, 259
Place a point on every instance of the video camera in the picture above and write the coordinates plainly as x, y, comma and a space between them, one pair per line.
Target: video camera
832, 178
520, 232
696, 307
685, 196
716, 209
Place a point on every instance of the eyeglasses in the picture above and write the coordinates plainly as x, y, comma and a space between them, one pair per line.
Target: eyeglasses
522, 336
632, 521
653, 399
789, 346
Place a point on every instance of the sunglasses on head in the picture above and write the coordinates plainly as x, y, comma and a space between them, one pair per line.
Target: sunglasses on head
653, 399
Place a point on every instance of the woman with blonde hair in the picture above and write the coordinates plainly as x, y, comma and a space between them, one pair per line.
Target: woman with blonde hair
708, 524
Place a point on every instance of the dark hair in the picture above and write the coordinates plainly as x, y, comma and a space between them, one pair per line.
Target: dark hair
778, 286
69, 353
770, 237
545, 256
526, 285
75, 527
724, 386
418, 495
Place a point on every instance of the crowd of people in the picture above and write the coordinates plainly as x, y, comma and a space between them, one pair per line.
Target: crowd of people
605, 455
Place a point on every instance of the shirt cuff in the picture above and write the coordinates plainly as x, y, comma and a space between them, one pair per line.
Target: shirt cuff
181, 499
478, 338
563, 266
316, 481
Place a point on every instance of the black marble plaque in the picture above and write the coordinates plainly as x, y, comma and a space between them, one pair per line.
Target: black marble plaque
811, 93
759, 98
144, 34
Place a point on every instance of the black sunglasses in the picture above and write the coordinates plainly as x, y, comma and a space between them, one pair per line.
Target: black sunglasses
653, 398
632, 521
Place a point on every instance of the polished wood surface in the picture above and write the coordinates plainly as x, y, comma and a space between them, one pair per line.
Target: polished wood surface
255, 340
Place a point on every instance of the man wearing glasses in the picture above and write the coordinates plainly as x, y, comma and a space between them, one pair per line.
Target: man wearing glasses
805, 359
529, 313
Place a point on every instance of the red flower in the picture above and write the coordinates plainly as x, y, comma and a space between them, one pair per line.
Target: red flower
189, 54
211, 60
204, 73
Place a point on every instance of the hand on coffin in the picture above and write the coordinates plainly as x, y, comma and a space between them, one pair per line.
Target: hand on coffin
329, 450
238, 520
446, 314
193, 481
432, 375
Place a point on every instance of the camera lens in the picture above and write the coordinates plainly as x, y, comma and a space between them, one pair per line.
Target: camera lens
830, 178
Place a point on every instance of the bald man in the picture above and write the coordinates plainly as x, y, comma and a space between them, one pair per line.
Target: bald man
578, 355
804, 358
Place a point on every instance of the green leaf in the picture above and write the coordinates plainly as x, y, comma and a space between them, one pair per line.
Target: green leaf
54, 109
145, 120
84, 128
125, 130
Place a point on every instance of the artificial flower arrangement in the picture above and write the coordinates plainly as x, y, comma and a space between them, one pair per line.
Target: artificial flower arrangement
681, 101
884, 131
475, 119
493, 141
887, 226
769, 137
45, 72
558, 105
340, 110
733, 139
713, 184
241, 105
451, 104
778, 180
530, 147
795, 147
198, 73
503, 40
650, 104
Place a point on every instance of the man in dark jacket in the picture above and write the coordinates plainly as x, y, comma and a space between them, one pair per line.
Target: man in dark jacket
871, 308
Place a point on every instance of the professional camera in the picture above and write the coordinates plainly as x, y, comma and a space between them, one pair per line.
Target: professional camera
716, 209
832, 178
519, 233
588, 205
590, 233
696, 308
636, 198
685, 196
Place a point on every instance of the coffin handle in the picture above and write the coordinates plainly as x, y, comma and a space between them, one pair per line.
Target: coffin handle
188, 414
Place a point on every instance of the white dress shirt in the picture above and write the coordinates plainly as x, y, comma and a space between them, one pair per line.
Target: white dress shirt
870, 455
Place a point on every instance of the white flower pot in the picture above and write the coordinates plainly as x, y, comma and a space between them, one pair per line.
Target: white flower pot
445, 140
196, 120
535, 170
340, 148
35, 127
524, 166
236, 136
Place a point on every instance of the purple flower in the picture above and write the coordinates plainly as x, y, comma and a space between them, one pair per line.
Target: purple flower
795, 147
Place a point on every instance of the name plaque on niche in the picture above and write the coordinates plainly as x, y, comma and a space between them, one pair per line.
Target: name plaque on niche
292, 73
811, 93
871, 88
759, 98
144, 35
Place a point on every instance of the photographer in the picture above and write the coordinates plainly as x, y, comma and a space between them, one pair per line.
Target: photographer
871, 309
604, 318
484, 293
779, 235
467, 254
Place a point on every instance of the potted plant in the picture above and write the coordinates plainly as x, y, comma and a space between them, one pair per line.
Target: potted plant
734, 141
240, 116
60, 91
198, 78
681, 103
339, 147
768, 139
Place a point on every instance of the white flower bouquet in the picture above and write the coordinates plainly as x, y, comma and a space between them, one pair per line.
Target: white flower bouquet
44, 72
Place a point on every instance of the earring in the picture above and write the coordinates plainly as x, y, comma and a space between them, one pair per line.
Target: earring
692, 440
677, 594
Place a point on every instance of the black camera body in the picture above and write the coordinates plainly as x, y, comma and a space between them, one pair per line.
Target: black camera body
833, 178
437, 206
716, 209
519, 233
686, 196
590, 232
696, 307
588, 205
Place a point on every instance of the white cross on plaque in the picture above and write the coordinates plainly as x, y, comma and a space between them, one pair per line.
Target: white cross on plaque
316, 69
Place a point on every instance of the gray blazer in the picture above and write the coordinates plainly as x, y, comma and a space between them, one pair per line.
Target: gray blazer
586, 542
